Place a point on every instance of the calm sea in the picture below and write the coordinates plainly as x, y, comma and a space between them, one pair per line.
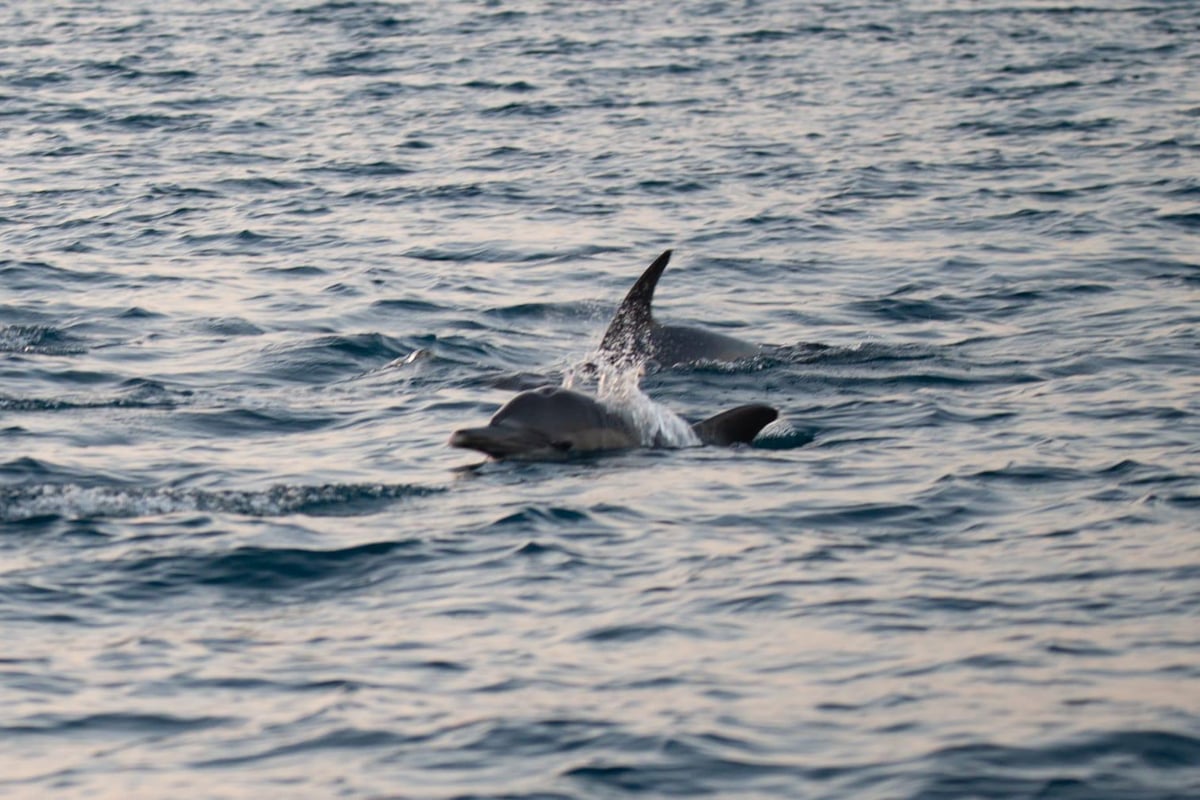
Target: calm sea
259, 259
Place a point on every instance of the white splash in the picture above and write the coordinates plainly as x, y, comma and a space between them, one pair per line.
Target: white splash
86, 502
618, 388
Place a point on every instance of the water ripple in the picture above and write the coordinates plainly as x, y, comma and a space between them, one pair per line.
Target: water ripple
259, 262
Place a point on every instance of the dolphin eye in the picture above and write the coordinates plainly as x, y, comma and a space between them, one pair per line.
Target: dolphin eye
561, 447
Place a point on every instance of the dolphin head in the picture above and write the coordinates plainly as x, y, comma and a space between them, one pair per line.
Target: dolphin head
508, 440
547, 423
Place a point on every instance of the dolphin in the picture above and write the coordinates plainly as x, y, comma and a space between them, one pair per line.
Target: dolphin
553, 423
634, 335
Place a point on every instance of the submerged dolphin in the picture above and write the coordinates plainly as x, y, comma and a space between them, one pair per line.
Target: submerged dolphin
634, 335
553, 422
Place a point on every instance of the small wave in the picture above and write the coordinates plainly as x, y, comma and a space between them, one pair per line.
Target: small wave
300, 271
388, 89
513, 86
136, 393
76, 501
864, 353
124, 70
40, 340
1029, 474
632, 632
667, 188
531, 738
230, 326
860, 515
906, 309
143, 575
259, 568
773, 35
685, 766
27, 404
536, 110
258, 184
540, 518
408, 305
175, 190
1188, 221
112, 723
326, 358
240, 239
539, 311
350, 739
28, 470
366, 169
38, 80
350, 65
782, 435
249, 422
169, 122
1084, 767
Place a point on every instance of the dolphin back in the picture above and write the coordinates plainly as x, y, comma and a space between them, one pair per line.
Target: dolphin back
683, 344
634, 335
736, 426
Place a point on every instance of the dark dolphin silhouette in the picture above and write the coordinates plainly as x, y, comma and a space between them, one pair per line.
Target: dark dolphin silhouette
552, 422
634, 335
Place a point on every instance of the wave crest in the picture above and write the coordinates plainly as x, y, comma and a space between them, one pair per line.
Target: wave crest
73, 501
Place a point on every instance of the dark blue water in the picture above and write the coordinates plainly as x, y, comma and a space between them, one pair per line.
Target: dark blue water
258, 260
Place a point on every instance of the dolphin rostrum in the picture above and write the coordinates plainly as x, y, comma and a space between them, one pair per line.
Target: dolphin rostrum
634, 335
552, 423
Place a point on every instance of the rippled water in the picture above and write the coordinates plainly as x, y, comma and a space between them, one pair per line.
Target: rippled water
259, 260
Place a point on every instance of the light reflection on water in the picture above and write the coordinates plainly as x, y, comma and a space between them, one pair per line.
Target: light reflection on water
260, 261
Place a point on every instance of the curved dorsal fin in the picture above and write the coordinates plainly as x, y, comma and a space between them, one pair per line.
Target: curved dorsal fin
736, 426
634, 317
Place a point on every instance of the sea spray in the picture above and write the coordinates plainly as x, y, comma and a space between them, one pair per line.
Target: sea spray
618, 388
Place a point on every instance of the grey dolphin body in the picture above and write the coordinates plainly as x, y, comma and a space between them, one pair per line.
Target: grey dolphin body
552, 422
634, 335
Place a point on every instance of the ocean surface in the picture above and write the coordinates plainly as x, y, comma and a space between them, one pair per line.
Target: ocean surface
259, 259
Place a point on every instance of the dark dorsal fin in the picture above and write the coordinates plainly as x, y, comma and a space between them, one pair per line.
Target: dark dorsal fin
736, 426
634, 318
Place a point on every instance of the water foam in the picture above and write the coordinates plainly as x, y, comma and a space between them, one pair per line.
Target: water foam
87, 502
618, 388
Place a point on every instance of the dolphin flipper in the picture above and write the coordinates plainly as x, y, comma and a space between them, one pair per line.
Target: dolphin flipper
736, 426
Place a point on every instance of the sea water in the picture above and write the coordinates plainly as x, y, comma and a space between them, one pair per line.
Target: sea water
258, 260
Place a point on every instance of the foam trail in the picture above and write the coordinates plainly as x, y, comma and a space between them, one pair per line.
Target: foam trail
80, 502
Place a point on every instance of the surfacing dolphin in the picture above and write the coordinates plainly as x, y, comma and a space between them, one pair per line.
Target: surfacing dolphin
634, 335
553, 423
